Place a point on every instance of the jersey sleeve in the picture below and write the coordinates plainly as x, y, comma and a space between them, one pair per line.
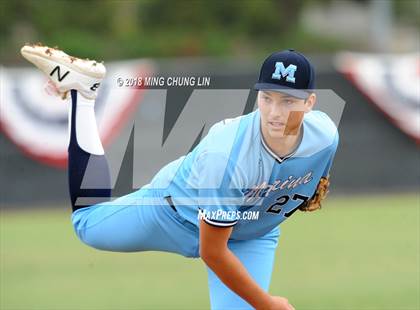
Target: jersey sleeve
219, 189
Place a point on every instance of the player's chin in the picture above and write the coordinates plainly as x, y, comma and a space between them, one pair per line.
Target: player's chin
276, 133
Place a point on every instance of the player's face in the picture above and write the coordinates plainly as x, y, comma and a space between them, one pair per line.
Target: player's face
282, 114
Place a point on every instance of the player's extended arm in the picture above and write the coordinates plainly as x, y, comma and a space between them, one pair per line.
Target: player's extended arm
217, 256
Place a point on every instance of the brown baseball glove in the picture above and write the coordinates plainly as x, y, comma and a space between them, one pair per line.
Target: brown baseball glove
320, 194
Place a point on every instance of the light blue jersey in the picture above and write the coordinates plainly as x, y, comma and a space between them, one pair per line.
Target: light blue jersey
232, 178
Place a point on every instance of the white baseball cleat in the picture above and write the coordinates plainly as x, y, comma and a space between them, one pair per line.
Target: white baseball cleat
66, 72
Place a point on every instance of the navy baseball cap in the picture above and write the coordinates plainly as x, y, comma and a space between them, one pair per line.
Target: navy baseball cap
288, 72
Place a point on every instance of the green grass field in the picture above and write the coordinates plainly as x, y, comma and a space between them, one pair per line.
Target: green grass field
356, 253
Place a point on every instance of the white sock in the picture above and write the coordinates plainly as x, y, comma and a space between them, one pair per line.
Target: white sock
87, 134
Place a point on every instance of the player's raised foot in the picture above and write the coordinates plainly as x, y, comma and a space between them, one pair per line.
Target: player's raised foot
66, 72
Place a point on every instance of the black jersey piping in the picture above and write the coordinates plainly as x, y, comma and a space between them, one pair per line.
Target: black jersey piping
278, 158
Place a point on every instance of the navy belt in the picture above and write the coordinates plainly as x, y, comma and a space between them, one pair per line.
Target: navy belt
170, 202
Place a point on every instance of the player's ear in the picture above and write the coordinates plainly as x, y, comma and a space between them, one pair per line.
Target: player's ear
310, 102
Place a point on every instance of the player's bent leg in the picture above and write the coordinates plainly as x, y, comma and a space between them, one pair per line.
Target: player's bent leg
128, 223
119, 225
257, 256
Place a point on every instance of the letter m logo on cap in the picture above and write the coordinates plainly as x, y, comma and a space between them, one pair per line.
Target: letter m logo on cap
281, 71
